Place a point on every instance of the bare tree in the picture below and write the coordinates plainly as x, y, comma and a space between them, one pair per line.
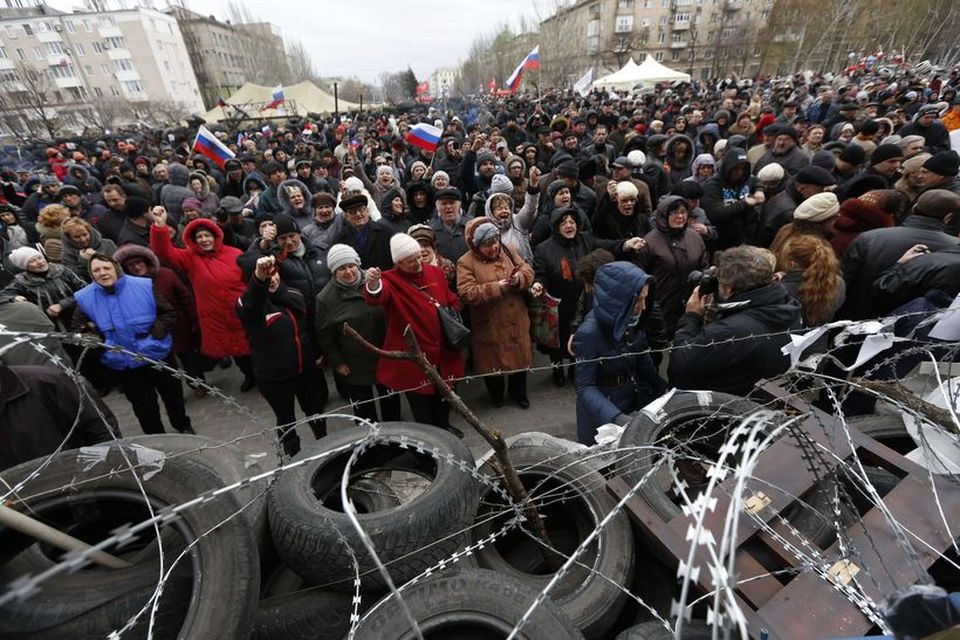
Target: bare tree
299, 61
28, 92
105, 113
163, 112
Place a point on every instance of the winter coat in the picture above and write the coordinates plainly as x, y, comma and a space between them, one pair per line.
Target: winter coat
209, 201
40, 407
337, 304
777, 212
130, 315
304, 270
903, 282
26, 316
499, 319
610, 224
680, 169
874, 251
173, 194
515, 229
305, 215
217, 283
792, 161
609, 384
451, 242
57, 286
555, 267
372, 243
71, 259
733, 352
169, 285
421, 215
668, 257
396, 223
792, 281
402, 297
854, 218
935, 134
277, 329
723, 201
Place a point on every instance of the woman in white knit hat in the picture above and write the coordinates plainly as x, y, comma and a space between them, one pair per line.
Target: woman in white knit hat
354, 368
814, 216
409, 294
49, 286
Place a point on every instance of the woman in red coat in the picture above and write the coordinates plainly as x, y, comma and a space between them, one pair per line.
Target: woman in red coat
406, 293
217, 283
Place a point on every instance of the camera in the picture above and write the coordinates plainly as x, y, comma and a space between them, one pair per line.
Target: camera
706, 280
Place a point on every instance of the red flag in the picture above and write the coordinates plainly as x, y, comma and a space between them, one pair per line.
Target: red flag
492, 85
423, 88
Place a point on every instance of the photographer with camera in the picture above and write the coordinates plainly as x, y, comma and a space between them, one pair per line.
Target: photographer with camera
735, 349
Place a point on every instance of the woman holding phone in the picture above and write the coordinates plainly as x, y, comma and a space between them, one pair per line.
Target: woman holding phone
491, 280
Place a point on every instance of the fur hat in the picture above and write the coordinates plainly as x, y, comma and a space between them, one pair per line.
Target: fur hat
818, 207
341, 254
323, 198
354, 202
403, 246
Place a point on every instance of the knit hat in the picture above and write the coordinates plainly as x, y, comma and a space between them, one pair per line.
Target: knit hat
637, 158
353, 183
818, 207
402, 247
436, 174
485, 156
772, 172
384, 170
934, 203
815, 175
418, 163
823, 159
341, 254
854, 154
423, 234
500, 184
191, 203
322, 198
928, 110
21, 256
554, 187
568, 170
944, 163
285, 224
485, 232
885, 152
136, 206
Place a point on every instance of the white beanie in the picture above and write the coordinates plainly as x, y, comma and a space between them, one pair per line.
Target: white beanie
353, 183
637, 158
384, 170
437, 174
500, 184
339, 255
772, 172
21, 256
403, 246
818, 207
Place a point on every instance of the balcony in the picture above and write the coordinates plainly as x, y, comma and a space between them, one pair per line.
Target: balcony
58, 60
681, 26
127, 76
109, 32
733, 5
67, 83
678, 45
7, 63
49, 36
118, 54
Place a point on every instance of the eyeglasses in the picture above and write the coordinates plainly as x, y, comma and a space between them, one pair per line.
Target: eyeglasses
356, 212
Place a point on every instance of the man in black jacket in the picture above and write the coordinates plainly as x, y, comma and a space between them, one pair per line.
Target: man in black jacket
735, 350
875, 250
732, 200
927, 125
917, 272
369, 238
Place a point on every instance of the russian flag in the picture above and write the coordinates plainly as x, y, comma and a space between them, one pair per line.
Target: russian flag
531, 62
277, 98
425, 136
221, 102
207, 145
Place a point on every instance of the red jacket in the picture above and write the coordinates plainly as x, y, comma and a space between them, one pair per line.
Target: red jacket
856, 217
404, 305
217, 284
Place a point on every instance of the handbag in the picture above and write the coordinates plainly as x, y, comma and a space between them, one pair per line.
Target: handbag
545, 321
456, 335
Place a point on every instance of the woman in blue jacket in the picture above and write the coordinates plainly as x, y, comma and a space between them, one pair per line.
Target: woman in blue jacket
610, 389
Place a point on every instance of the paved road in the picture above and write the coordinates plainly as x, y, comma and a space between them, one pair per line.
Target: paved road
551, 410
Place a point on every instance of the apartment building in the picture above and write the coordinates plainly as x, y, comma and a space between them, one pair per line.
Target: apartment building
443, 80
705, 38
226, 55
59, 67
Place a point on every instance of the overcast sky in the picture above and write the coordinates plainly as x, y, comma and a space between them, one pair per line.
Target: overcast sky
366, 37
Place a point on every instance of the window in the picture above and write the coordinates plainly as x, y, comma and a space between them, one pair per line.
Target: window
675, 56
624, 24
663, 20
593, 44
88, 69
659, 56
677, 36
27, 29
123, 65
115, 42
97, 47
11, 34
594, 11
593, 28
108, 21
115, 92
79, 49
756, 52
55, 48
105, 70
664, 4
98, 92
9, 75
625, 4
38, 53
86, 26
21, 54
43, 27
132, 87
692, 55
3, 53
681, 17
660, 37
71, 28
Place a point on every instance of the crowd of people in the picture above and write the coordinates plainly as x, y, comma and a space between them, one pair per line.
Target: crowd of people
683, 233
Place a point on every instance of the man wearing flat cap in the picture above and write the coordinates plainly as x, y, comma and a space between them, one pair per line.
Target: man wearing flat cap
927, 124
369, 238
784, 150
940, 172
778, 210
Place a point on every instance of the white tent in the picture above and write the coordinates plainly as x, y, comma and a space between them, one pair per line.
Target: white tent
648, 72
301, 98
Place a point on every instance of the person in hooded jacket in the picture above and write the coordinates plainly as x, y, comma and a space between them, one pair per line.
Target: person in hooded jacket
491, 280
199, 185
296, 201
680, 157
80, 242
217, 282
253, 186
555, 268
274, 318
673, 250
232, 184
704, 167
610, 384
558, 194
419, 202
176, 191
143, 263
326, 223
393, 211
735, 350
515, 227
731, 200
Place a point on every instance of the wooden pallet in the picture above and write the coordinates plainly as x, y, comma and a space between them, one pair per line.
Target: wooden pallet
807, 607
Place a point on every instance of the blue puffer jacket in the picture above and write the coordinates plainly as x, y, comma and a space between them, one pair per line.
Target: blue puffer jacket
125, 317
605, 334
